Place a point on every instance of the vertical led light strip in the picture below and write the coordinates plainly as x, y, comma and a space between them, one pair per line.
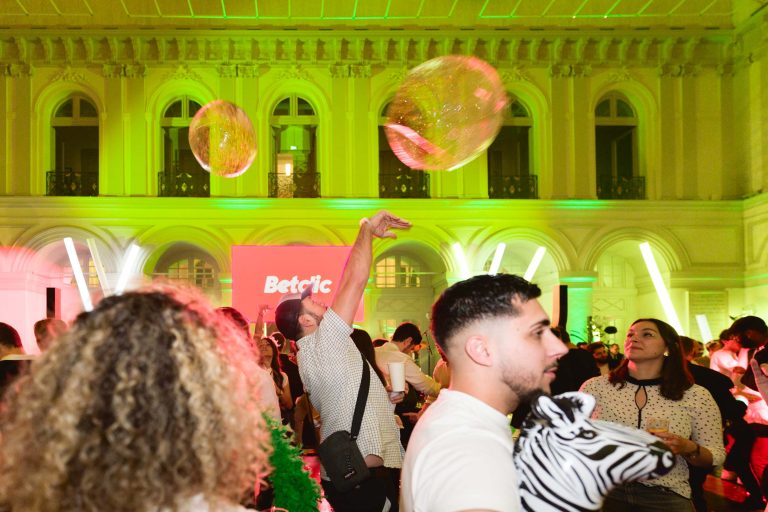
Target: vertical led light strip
497, 256
535, 262
127, 270
82, 288
462, 260
661, 289
706, 332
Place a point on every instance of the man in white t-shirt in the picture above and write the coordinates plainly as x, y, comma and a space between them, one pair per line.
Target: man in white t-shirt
496, 337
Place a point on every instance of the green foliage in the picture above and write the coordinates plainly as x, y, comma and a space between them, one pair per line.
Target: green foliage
295, 490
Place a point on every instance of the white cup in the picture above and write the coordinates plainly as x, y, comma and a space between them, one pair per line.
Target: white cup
397, 376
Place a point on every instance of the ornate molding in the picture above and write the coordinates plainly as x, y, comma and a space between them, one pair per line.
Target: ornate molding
678, 70
620, 75
112, 70
68, 75
373, 49
570, 70
516, 74
350, 70
183, 73
227, 70
397, 75
294, 72
18, 70
247, 71
135, 70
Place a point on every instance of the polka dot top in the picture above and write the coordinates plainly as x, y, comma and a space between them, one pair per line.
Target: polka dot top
694, 417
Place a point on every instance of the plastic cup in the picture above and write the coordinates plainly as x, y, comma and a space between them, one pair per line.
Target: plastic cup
397, 376
657, 425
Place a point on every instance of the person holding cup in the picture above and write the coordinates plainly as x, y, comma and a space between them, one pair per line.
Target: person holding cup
652, 389
405, 376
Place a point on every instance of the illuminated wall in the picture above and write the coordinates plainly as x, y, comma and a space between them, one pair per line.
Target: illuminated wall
701, 149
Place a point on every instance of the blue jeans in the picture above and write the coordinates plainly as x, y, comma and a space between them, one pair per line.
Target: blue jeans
636, 497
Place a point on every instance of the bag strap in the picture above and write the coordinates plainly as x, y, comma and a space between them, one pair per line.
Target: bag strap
362, 396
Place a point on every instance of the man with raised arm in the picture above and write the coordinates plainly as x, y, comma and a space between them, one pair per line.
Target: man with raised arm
496, 337
330, 366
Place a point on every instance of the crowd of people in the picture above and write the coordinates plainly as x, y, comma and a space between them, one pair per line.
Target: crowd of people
157, 401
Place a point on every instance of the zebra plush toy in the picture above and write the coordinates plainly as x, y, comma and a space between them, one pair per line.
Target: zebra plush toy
568, 462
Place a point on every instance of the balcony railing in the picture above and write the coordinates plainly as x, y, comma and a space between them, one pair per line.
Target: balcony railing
408, 184
298, 184
621, 188
183, 184
71, 183
513, 187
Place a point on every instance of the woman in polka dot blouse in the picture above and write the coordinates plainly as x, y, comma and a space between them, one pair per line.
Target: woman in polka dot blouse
653, 390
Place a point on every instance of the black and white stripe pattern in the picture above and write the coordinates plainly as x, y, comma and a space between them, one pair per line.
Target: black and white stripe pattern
568, 462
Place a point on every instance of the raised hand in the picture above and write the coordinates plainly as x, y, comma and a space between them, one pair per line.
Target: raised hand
383, 222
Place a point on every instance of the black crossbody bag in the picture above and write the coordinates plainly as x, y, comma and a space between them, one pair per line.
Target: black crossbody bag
341, 458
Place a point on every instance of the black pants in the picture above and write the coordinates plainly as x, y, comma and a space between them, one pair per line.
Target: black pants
369, 496
739, 456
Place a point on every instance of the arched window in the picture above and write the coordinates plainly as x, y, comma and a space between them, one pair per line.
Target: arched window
616, 150
181, 175
294, 153
76, 148
395, 178
185, 264
398, 271
509, 160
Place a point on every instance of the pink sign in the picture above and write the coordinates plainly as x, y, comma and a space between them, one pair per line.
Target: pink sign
262, 274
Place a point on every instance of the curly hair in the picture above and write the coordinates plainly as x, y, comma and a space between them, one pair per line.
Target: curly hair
145, 402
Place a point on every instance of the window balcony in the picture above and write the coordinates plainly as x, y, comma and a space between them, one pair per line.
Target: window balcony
298, 184
513, 187
610, 187
71, 183
406, 184
180, 183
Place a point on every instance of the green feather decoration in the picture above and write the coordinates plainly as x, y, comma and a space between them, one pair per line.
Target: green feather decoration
295, 490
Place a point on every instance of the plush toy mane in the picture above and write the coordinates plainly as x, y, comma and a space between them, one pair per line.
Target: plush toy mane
568, 462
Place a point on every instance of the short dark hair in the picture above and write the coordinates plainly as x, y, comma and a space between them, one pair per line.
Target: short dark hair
477, 298
748, 323
287, 314
9, 337
407, 330
595, 346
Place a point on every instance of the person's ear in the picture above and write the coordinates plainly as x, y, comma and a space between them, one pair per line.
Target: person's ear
476, 347
306, 320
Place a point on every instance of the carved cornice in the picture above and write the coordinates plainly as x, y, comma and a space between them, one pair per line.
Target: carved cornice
367, 49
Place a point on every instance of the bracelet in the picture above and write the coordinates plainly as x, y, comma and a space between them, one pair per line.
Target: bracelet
695, 453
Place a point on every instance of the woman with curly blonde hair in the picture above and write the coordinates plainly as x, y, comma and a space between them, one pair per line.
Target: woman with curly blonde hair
147, 404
